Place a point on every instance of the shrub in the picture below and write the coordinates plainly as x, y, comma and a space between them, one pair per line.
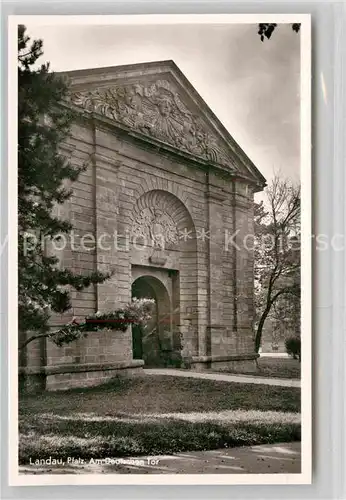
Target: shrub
137, 312
292, 345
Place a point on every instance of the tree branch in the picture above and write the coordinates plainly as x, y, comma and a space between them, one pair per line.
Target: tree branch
35, 337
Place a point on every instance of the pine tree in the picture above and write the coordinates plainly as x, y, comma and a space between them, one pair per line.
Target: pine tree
43, 124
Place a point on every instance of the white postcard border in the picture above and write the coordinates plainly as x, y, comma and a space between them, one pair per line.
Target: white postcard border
15, 479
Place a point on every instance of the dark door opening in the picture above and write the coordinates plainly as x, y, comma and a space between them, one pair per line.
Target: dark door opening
153, 343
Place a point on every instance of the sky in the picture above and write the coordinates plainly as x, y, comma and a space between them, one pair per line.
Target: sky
253, 87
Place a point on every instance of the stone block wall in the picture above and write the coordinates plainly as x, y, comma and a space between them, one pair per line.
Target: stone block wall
98, 347
90, 360
93, 377
214, 288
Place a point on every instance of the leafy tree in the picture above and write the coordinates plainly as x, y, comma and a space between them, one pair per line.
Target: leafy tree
43, 124
286, 313
267, 29
277, 253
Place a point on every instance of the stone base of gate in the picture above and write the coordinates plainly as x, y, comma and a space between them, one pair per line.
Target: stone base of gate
240, 363
61, 377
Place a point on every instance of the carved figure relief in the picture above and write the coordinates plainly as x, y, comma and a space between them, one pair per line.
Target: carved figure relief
156, 227
156, 110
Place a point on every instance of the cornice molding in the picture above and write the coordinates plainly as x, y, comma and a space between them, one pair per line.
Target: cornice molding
101, 159
157, 98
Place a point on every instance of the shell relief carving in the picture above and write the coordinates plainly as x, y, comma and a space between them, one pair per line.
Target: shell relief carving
156, 227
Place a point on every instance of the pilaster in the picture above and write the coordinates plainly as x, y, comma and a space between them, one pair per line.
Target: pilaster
105, 170
243, 269
215, 199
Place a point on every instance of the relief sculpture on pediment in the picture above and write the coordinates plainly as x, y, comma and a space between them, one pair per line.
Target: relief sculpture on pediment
156, 110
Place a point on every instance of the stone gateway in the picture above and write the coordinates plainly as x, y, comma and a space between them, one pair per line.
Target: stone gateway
166, 203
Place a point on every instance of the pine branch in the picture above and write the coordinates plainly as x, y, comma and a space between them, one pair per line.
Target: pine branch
45, 180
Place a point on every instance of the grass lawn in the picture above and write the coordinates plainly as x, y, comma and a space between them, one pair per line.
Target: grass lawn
277, 368
155, 415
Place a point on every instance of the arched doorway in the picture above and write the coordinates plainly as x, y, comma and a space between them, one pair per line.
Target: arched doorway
155, 343
163, 240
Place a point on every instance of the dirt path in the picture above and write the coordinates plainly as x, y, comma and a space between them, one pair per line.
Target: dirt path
263, 459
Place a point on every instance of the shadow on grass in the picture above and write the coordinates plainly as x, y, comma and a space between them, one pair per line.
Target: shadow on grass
163, 394
283, 368
66, 434
87, 440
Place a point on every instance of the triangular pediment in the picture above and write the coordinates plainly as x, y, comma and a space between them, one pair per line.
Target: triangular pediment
157, 101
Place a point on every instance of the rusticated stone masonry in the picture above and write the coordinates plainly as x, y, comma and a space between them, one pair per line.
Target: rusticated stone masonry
165, 189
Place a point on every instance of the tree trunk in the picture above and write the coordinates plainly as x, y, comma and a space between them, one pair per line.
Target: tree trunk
258, 336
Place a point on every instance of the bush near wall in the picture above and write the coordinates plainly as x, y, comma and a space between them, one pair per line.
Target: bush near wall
293, 346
